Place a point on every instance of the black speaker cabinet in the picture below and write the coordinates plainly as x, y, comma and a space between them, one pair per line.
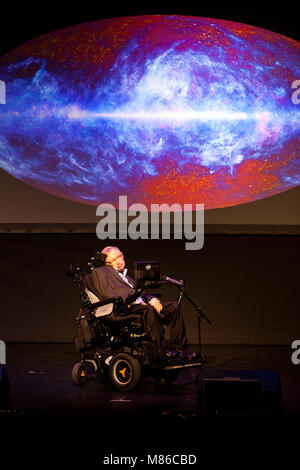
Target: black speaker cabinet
4, 388
239, 393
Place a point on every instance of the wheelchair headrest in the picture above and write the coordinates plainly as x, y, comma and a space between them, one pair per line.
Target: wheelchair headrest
97, 258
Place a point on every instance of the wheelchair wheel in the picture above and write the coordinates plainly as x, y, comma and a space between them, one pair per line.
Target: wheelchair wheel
124, 371
165, 377
79, 373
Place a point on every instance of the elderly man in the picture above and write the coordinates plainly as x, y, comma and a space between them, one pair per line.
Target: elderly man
112, 280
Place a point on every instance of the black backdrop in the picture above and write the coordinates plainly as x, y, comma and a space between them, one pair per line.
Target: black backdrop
248, 285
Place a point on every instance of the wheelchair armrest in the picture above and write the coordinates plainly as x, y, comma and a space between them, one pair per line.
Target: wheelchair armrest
112, 300
104, 310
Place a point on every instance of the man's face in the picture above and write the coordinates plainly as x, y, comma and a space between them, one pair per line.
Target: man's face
116, 259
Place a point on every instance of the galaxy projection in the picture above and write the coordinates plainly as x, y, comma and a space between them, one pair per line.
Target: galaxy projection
162, 109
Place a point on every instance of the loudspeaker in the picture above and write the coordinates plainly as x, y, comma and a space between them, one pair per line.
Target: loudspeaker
239, 393
4, 388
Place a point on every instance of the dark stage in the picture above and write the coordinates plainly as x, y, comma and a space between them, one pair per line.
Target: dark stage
48, 414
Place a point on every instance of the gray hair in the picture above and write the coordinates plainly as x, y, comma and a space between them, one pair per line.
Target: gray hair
109, 249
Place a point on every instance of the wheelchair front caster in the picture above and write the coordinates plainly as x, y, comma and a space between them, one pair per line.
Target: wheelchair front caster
79, 373
124, 371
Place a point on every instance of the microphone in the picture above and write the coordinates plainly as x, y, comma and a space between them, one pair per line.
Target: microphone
173, 281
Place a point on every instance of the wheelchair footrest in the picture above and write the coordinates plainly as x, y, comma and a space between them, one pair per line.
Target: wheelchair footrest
182, 366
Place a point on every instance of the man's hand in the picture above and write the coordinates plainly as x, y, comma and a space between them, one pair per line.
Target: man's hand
156, 304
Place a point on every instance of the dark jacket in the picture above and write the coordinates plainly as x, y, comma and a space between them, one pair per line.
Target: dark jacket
108, 283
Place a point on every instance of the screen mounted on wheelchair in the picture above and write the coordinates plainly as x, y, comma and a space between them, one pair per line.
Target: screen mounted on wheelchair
147, 274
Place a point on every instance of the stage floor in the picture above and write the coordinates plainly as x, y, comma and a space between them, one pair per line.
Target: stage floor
40, 379
43, 396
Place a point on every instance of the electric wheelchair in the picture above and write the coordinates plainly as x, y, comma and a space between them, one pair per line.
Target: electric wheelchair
112, 341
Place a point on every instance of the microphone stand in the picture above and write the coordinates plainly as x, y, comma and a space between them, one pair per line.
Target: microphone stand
200, 314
